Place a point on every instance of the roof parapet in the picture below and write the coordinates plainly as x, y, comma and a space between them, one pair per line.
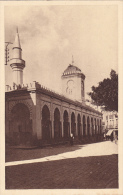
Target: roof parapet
35, 85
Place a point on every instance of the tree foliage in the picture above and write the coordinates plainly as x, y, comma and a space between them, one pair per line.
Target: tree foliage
106, 93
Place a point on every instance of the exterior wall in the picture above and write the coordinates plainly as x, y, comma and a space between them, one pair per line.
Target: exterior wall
53, 103
35, 103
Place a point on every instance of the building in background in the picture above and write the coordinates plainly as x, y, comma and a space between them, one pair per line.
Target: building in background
110, 120
110, 124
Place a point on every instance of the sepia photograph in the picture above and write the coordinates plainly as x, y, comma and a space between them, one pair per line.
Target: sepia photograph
61, 77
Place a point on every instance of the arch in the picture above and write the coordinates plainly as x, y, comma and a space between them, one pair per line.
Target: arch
46, 123
13, 104
67, 110
88, 126
79, 125
59, 108
72, 111
20, 125
65, 124
73, 124
43, 103
57, 124
84, 126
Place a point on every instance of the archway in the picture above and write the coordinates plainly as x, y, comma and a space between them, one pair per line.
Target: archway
84, 126
66, 124
73, 124
46, 123
100, 127
79, 125
92, 126
88, 126
57, 124
95, 126
20, 125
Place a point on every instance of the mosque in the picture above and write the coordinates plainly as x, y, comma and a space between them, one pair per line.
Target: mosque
35, 115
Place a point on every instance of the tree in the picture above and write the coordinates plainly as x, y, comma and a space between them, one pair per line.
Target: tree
106, 93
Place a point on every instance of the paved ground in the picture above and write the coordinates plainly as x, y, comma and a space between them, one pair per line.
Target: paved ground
92, 166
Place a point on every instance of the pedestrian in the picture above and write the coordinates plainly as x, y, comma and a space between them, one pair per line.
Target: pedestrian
116, 139
71, 139
112, 136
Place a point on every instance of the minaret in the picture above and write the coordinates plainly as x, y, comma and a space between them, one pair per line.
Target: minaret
16, 62
73, 83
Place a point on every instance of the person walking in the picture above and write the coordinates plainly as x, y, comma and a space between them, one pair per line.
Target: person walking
71, 139
115, 139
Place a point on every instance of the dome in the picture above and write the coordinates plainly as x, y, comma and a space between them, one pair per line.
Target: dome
71, 69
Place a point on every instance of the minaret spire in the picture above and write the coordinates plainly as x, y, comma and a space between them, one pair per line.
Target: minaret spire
17, 40
16, 63
72, 60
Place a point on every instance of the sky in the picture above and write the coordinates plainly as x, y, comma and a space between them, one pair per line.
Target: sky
50, 35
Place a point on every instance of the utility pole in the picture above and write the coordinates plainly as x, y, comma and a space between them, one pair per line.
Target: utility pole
7, 52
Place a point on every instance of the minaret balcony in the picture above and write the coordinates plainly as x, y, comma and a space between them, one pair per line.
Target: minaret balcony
17, 63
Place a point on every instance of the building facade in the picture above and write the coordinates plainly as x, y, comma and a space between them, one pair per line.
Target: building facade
110, 120
37, 115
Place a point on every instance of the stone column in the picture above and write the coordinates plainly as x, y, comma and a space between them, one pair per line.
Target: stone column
62, 120
69, 120
52, 129
90, 128
76, 122
86, 133
52, 121
97, 126
62, 129
34, 112
82, 125
38, 119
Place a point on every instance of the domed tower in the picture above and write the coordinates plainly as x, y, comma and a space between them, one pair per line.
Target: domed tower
73, 83
16, 63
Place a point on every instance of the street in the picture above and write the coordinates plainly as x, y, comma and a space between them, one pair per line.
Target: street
91, 166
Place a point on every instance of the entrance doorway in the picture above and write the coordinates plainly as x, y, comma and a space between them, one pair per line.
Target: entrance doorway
84, 126
46, 124
57, 124
88, 126
73, 124
66, 124
20, 125
79, 125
